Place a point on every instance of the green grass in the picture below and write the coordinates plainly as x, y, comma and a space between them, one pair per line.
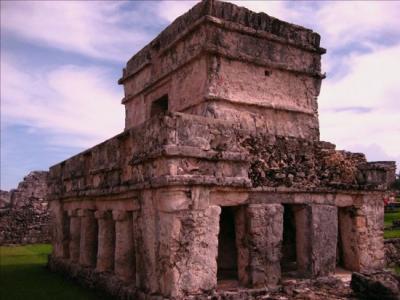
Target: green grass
389, 217
391, 234
23, 276
397, 270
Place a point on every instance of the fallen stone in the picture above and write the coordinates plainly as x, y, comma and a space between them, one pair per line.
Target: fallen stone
380, 285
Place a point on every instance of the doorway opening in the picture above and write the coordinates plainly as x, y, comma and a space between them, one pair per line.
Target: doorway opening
289, 255
227, 250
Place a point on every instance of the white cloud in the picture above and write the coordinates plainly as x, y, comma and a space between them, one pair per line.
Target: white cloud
92, 28
361, 108
277, 9
73, 105
344, 22
170, 10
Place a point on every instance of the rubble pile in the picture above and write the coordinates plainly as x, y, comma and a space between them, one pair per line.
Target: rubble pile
300, 163
392, 252
381, 285
25, 219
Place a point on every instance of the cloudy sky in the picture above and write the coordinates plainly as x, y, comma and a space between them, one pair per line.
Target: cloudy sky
60, 62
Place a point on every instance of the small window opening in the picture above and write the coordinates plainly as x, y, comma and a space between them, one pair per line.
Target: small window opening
159, 106
227, 251
267, 73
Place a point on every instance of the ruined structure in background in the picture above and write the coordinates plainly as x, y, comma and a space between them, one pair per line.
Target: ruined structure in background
219, 177
24, 217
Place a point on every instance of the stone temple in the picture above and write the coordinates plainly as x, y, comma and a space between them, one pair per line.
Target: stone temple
219, 178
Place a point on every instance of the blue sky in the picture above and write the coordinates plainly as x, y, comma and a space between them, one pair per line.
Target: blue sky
60, 62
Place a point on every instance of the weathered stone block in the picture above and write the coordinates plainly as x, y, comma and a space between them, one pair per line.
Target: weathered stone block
265, 238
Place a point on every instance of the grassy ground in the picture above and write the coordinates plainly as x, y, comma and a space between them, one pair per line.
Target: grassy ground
397, 270
389, 217
23, 276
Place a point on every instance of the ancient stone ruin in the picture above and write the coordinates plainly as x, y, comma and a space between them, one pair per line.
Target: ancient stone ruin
219, 179
24, 216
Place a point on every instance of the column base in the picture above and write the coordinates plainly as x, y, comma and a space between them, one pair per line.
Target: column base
106, 282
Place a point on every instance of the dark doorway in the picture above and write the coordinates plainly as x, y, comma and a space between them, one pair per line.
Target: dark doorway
227, 251
159, 106
289, 255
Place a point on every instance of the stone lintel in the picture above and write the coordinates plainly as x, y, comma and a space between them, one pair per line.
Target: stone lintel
73, 213
120, 215
85, 213
103, 214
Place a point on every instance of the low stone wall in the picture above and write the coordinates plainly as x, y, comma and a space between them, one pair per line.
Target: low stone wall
392, 252
25, 219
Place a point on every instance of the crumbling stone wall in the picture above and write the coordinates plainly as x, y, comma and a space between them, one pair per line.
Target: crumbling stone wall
26, 219
300, 163
5, 199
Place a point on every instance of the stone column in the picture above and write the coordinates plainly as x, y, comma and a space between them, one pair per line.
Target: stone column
74, 234
324, 229
60, 229
303, 219
106, 241
65, 234
265, 233
88, 243
188, 249
243, 255
348, 236
124, 266
369, 231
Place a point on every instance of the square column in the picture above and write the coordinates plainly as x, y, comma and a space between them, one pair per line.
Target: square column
188, 251
303, 219
106, 241
368, 223
124, 266
60, 232
88, 238
265, 233
323, 239
348, 235
74, 235
316, 239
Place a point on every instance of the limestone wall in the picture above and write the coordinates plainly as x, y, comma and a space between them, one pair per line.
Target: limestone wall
183, 149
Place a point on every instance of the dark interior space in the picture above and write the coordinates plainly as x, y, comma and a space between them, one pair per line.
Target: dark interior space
159, 106
227, 251
339, 247
289, 258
